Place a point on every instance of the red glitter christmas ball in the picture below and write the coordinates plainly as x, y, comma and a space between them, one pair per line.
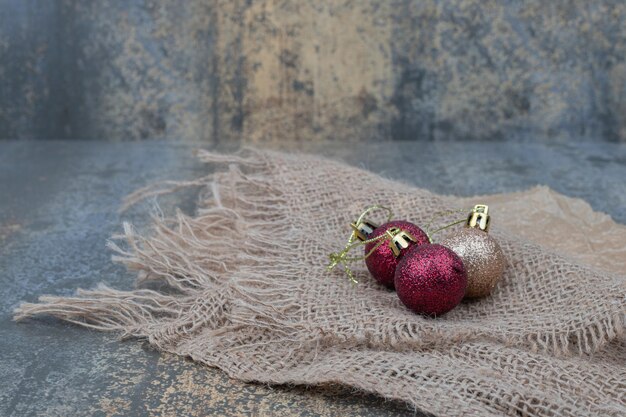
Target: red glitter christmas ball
382, 262
430, 279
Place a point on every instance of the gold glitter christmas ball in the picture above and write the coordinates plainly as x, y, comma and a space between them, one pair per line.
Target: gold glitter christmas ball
482, 257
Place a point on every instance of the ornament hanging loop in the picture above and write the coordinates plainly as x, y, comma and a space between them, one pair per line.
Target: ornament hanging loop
478, 218
439, 214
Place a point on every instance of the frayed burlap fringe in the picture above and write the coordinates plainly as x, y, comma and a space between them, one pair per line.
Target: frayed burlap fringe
245, 289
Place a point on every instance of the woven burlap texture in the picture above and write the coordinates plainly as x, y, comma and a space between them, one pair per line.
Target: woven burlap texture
245, 288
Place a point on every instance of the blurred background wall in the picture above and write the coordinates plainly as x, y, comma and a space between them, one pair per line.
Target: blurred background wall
270, 70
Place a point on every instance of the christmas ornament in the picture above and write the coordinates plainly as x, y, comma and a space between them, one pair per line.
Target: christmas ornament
480, 252
430, 279
384, 245
381, 260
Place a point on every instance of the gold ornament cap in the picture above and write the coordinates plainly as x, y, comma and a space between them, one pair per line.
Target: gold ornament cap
479, 218
400, 239
363, 229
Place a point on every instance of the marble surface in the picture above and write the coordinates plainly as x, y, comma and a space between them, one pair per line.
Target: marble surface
58, 205
309, 70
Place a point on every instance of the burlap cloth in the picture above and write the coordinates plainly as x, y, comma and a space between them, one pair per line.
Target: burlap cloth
245, 289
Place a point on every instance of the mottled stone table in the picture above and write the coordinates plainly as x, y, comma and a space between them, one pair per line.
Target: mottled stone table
58, 205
